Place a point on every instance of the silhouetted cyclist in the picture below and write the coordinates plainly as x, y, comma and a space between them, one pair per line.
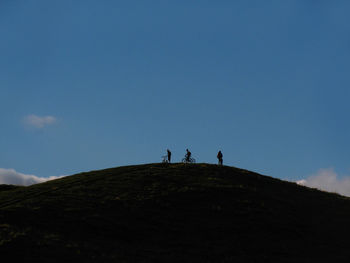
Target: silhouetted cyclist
219, 156
169, 155
188, 155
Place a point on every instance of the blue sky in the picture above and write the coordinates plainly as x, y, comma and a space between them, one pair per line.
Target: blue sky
266, 82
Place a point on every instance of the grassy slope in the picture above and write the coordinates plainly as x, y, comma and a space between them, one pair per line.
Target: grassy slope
175, 213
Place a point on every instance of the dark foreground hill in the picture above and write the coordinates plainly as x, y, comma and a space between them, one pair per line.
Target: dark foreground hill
174, 213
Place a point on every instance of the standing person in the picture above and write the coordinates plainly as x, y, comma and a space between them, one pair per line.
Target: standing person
219, 156
169, 155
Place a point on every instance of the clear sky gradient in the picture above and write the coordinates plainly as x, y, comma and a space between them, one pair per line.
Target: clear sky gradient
266, 82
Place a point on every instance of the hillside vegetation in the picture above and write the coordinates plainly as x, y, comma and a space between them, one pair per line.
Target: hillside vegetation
172, 213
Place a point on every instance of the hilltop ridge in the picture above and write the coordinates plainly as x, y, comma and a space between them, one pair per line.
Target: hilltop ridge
173, 213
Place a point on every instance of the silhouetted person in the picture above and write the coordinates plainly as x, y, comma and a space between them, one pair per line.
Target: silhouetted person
188, 155
169, 155
220, 157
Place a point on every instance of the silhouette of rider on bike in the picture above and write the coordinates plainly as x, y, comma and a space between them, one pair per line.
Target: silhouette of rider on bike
188, 155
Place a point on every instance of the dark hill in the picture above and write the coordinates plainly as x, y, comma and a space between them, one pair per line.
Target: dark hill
174, 213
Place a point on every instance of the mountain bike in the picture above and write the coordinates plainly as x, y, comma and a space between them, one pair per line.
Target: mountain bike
188, 160
165, 159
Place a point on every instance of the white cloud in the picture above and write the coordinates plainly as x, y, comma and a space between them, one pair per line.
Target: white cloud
38, 121
327, 180
10, 176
